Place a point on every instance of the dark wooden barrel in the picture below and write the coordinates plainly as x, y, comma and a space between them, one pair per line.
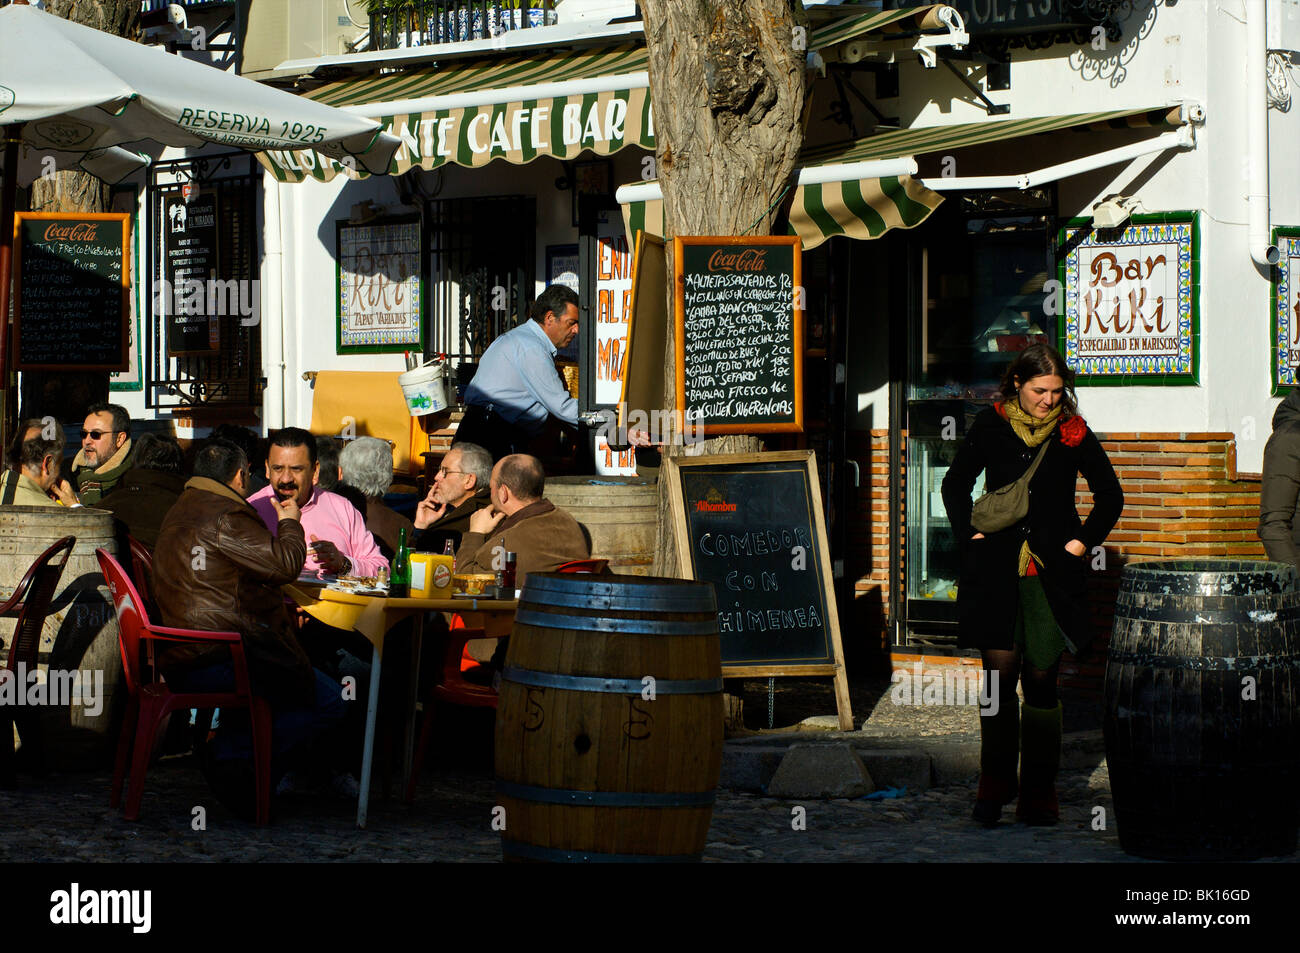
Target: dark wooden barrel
1201, 726
609, 724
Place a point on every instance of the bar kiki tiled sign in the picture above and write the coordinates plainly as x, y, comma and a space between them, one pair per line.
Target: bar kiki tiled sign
1130, 314
1286, 310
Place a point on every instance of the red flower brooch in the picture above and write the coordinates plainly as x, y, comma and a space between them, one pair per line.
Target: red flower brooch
1072, 431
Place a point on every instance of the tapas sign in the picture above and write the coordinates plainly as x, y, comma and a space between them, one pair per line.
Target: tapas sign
1286, 310
739, 333
1130, 311
380, 286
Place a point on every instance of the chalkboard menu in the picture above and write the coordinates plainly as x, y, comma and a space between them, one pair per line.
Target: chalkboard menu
73, 298
190, 260
739, 326
752, 525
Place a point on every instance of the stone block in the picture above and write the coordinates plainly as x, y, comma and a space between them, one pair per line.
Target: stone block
821, 771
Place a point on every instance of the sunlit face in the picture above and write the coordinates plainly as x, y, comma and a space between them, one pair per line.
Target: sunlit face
99, 450
291, 473
562, 329
494, 489
451, 485
1039, 395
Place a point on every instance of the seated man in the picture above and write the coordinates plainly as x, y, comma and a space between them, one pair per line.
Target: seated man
460, 489
105, 453
148, 490
217, 568
367, 465
520, 521
37, 475
340, 542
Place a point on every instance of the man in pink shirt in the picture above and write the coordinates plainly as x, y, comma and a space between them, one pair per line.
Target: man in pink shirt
336, 533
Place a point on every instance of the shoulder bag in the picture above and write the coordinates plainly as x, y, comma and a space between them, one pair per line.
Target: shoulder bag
1007, 505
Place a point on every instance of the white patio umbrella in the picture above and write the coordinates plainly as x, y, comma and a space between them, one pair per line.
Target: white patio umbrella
72, 89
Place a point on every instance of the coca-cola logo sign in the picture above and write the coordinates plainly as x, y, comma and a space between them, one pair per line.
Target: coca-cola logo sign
77, 232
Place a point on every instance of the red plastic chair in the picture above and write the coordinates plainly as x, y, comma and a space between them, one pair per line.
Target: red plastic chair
454, 689
29, 604
151, 701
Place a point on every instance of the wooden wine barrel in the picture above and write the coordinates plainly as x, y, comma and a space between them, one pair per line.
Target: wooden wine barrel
609, 723
1201, 724
80, 633
618, 513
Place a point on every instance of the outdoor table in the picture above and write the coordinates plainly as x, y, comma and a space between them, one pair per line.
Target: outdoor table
373, 617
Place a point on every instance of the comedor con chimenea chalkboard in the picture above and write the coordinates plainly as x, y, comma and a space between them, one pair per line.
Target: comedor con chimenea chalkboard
739, 333
752, 525
72, 303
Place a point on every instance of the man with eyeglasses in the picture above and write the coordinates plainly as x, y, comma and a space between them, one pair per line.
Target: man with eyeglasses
105, 453
460, 489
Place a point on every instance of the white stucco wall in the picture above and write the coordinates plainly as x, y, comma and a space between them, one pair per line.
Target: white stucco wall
1193, 51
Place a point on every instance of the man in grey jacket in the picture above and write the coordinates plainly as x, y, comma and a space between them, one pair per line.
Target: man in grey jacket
1279, 527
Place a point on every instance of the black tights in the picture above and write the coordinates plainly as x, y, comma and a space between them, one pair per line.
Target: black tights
1040, 684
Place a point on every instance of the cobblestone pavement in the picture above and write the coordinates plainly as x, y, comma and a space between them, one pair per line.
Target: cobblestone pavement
66, 817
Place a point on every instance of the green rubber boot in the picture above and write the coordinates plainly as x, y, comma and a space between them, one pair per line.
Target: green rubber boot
999, 752
1040, 758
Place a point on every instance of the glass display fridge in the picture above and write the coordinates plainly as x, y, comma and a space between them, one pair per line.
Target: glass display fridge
982, 298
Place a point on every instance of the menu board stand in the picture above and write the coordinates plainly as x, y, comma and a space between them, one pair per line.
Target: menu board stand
739, 333
752, 525
73, 291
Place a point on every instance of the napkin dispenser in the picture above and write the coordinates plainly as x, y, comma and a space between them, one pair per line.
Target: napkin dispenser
430, 576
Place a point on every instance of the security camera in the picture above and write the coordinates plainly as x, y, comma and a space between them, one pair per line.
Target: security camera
1113, 211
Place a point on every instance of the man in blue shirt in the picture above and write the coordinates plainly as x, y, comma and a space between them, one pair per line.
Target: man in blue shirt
516, 388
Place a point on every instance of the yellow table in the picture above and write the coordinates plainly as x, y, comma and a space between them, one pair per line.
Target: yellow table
373, 617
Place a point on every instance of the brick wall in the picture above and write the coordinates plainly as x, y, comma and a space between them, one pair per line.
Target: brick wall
868, 549
1183, 499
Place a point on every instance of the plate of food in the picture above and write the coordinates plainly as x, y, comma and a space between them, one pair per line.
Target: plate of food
361, 585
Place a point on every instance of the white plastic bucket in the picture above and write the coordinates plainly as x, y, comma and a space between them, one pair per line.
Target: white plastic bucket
425, 389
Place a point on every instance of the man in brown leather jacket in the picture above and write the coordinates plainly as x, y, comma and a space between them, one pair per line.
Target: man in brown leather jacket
217, 567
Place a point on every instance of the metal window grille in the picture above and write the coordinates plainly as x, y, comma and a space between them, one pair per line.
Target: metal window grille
404, 23
482, 265
231, 374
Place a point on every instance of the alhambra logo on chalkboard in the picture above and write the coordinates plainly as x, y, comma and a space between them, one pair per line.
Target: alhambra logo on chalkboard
714, 503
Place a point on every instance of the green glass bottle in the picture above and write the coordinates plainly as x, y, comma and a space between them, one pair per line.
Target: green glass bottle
399, 578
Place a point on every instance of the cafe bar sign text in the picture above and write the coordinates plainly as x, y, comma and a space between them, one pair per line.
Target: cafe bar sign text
1130, 313
1286, 311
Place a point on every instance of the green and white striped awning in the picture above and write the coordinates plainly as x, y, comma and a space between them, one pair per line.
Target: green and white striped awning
868, 207
857, 208
514, 108
914, 142
521, 106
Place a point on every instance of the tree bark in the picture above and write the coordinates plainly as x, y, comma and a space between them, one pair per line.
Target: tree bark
66, 394
727, 83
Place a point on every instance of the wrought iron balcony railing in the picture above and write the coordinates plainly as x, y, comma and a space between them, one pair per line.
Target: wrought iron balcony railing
398, 23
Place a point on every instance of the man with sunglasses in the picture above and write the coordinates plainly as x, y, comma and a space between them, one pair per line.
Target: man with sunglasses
460, 489
105, 453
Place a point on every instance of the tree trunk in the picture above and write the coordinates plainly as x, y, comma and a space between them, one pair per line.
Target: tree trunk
66, 394
727, 85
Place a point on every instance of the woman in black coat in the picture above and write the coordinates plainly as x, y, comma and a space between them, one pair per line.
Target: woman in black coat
1022, 595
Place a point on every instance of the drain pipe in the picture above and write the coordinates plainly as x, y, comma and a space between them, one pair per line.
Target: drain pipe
273, 395
1262, 250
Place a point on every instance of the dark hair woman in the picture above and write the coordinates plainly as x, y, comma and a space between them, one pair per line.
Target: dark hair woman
1022, 595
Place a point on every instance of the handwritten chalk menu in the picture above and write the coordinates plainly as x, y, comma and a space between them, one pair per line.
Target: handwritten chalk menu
73, 298
752, 525
739, 329
190, 258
